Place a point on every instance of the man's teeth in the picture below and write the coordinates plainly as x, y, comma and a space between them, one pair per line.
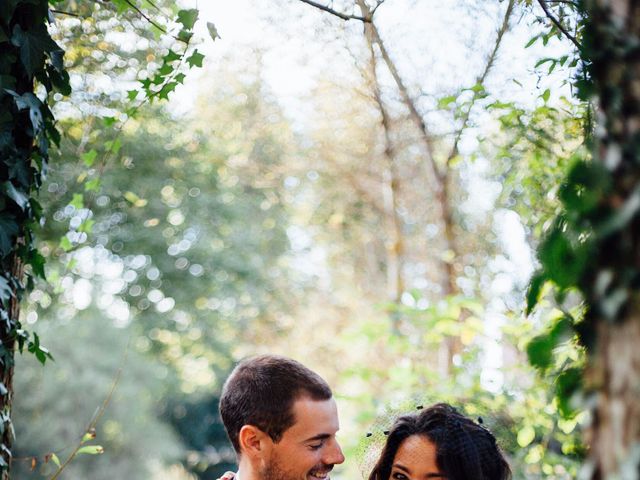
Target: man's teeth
320, 475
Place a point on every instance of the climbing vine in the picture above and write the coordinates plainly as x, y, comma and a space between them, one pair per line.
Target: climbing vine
32, 73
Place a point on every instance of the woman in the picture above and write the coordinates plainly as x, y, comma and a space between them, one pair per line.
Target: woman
439, 442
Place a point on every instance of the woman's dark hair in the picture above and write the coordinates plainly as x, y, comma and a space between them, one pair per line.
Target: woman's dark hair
465, 450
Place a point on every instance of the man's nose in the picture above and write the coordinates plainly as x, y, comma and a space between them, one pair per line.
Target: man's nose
334, 455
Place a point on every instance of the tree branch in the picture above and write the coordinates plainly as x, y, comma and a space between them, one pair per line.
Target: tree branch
146, 17
409, 102
61, 12
481, 79
557, 23
336, 13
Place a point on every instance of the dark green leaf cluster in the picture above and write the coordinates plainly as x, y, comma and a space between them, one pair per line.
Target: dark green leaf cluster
31, 69
591, 247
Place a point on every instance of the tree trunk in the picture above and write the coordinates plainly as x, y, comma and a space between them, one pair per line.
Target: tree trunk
439, 179
613, 372
6, 370
391, 192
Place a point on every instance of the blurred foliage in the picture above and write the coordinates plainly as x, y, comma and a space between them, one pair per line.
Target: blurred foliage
57, 402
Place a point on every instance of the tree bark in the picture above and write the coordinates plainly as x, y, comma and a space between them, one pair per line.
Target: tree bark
613, 371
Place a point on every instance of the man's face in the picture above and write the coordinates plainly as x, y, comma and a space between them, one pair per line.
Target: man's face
308, 450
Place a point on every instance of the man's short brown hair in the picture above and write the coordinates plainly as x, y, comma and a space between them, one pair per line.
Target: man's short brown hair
261, 392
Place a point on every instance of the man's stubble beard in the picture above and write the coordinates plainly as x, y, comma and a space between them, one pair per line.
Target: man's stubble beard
275, 471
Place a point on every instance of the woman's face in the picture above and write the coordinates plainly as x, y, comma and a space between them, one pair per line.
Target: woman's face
416, 460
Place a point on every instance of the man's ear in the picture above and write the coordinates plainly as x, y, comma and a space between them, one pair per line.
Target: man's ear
253, 441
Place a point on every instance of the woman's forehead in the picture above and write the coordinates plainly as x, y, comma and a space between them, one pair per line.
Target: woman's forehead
417, 454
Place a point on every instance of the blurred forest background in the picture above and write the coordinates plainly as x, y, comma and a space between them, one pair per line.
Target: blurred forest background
365, 200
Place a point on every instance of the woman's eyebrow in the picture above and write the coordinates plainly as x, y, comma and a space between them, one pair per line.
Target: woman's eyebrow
399, 466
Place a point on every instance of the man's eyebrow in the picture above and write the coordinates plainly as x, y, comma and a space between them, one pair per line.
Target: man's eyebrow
320, 436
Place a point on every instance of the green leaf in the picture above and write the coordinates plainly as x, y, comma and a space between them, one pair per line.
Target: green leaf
108, 121
20, 198
213, 31
86, 226
113, 146
185, 36
562, 261
188, 18
545, 95
195, 59
89, 157
540, 351
446, 101
534, 291
55, 459
167, 89
567, 384
92, 185
532, 41
171, 57
91, 450
5, 290
78, 201
66, 244
165, 70
37, 262
132, 94
8, 232
34, 43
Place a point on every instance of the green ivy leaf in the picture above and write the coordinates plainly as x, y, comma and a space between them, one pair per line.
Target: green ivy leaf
540, 351
19, 197
167, 89
213, 31
34, 44
5, 290
195, 59
534, 291
188, 18
8, 231
171, 57
567, 384
37, 262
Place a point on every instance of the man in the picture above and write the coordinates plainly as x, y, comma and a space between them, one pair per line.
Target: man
281, 419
